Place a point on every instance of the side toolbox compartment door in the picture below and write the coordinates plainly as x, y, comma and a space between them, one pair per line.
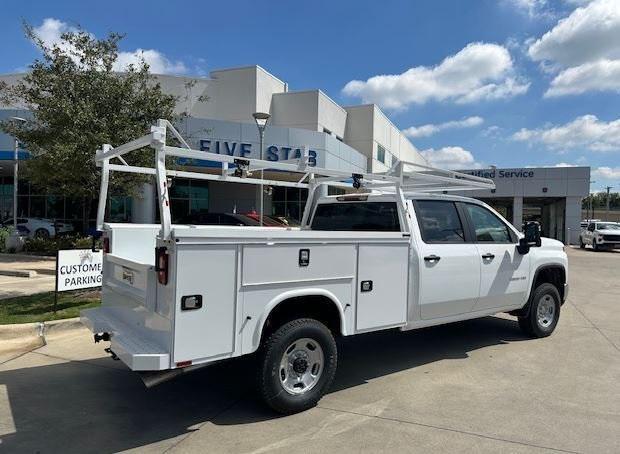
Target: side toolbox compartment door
382, 285
208, 272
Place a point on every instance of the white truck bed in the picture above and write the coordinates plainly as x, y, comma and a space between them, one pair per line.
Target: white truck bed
241, 274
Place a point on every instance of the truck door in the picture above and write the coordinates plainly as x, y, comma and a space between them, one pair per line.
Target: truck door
504, 272
448, 261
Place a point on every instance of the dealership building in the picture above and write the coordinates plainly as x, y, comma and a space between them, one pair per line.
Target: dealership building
354, 139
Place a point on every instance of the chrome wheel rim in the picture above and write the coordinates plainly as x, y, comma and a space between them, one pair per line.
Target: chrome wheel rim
546, 311
301, 366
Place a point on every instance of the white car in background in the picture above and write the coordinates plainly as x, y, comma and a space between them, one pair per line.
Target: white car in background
600, 235
40, 228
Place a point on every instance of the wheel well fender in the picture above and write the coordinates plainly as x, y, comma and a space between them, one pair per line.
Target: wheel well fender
310, 302
553, 273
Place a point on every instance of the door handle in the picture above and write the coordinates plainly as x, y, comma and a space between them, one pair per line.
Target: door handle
432, 258
488, 256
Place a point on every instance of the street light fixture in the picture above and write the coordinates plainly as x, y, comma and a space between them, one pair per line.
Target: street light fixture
261, 119
15, 173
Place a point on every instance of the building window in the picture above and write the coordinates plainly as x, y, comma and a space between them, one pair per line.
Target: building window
288, 203
380, 154
188, 197
340, 138
327, 131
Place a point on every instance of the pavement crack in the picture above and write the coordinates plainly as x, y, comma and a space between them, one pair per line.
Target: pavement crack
594, 325
200, 426
448, 429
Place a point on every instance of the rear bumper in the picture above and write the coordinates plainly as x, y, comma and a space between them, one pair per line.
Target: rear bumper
131, 345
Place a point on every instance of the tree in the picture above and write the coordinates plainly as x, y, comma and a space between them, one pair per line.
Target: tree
79, 102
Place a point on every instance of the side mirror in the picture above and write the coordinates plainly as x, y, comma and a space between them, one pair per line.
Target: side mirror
532, 233
531, 237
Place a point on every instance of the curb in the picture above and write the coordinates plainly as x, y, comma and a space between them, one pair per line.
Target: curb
38, 329
18, 273
42, 258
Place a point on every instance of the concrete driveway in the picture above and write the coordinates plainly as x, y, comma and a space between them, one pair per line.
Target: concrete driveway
471, 386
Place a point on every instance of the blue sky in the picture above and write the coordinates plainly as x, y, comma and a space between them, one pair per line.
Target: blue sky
473, 83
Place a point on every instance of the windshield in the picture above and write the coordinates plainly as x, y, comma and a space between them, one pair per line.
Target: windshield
607, 226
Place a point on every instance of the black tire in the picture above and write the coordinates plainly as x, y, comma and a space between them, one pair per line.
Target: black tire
594, 245
582, 245
270, 385
531, 324
41, 233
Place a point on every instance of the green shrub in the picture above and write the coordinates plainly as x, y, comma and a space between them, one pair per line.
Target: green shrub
49, 246
5, 232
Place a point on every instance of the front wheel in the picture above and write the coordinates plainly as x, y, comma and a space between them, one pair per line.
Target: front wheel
582, 245
544, 313
297, 365
42, 233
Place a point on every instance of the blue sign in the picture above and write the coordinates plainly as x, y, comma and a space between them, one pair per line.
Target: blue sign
243, 149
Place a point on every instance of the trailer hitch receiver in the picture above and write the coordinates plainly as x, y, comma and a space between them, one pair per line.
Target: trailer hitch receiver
101, 337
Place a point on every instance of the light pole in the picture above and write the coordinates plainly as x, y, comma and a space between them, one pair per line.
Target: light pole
15, 173
607, 203
261, 119
590, 209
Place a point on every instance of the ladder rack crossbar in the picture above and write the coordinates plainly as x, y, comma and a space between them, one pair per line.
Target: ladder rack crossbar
402, 175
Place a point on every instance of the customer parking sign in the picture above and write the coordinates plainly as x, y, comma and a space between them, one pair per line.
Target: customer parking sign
78, 268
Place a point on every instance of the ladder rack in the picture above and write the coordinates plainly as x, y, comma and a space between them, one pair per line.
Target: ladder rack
402, 177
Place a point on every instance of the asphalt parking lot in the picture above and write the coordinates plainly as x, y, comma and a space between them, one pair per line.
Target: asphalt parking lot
472, 386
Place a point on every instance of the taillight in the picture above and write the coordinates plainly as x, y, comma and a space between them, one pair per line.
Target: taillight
161, 264
106, 245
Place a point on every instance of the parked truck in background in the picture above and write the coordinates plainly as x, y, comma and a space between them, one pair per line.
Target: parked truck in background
398, 256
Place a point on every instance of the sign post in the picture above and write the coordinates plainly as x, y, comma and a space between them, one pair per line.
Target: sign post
77, 269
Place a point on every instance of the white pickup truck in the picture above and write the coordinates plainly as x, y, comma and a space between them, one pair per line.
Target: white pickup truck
600, 235
178, 297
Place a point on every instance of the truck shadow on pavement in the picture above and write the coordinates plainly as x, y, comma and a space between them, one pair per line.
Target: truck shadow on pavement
84, 406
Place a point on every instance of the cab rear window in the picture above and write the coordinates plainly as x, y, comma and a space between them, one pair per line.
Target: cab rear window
357, 216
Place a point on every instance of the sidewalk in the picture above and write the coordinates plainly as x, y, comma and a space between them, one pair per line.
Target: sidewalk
42, 281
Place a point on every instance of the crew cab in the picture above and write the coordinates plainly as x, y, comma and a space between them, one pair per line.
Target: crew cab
600, 235
179, 297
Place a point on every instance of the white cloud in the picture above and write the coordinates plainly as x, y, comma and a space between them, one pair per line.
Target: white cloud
51, 29
587, 34
602, 75
453, 158
583, 49
158, 63
565, 164
480, 71
533, 8
430, 129
607, 173
584, 132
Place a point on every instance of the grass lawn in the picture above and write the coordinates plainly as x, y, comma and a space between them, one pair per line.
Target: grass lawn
39, 307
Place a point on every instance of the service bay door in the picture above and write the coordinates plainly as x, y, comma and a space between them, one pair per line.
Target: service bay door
382, 285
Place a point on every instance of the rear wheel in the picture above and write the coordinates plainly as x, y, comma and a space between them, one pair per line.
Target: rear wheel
41, 233
582, 245
297, 365
544, 312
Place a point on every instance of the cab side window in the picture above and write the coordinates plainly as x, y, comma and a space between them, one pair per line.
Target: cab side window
439, 222
487, 226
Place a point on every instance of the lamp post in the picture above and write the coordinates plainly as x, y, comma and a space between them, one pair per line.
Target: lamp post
15, 173
608, 188
590, 206
261, 119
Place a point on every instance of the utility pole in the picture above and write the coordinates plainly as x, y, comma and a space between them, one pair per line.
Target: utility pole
607, 208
